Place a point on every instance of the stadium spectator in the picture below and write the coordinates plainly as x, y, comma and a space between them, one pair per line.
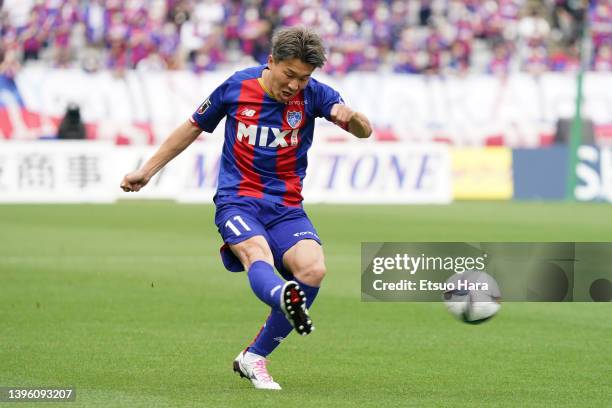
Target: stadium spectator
436, 46
168, 43
425, 12
414, 36
536, 61
152, 62
500, 63
95, 22
62, 22
601, 22
567, 16
460, 54
9, 66
71, 126
603, 58
408, 55
32, 36
564, 59
254, 33
210, 55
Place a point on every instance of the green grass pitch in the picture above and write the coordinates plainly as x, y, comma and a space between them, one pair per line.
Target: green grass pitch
129, 303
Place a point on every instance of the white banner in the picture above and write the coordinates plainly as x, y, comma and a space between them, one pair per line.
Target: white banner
143, 107
337, 173
379, 173
54, 172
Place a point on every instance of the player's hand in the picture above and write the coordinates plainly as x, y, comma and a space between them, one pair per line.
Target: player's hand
134, 181
341, 115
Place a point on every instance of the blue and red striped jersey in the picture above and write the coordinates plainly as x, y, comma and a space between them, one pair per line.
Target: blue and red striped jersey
266, 141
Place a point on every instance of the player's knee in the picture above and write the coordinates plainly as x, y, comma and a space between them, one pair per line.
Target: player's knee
251, 251
256, 253
313, 274
319, 272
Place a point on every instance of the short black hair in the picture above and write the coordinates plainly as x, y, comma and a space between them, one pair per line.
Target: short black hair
298, 42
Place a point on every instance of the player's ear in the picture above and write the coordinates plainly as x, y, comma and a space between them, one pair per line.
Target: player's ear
270, 60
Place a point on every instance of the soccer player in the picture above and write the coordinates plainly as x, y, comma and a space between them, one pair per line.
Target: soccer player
270, 112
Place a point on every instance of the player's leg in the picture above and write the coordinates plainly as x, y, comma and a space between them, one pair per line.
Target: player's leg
306, 262
305, 256
296, 247
285, 296
252, 250
298, 253
245, 241
256, 257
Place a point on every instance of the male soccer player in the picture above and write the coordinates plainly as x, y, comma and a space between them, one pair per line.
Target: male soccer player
270, 112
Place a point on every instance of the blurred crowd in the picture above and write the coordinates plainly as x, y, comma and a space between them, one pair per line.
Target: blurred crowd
409, 36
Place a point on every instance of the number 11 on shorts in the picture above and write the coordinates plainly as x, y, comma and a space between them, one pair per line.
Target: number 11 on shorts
229, 224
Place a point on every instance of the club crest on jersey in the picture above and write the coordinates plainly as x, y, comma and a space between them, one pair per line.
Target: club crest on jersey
294, 118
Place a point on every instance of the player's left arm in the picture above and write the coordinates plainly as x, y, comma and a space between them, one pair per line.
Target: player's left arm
355, 122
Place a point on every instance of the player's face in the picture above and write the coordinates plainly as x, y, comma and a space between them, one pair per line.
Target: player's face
288, 77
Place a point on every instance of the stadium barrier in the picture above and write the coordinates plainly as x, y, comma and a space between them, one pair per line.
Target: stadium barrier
143, 107
482, 173
594, 174
82, 171
361, 173
540, 174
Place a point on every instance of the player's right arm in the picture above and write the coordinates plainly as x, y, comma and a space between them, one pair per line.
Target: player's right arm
206, 118
178, 141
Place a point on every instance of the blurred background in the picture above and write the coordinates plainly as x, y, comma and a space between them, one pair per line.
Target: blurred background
509, 97
441, 37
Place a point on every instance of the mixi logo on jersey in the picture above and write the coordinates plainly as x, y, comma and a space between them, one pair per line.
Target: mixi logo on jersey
276, 139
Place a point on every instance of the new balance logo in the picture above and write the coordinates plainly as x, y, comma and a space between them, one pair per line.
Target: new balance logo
248, 112
278, 136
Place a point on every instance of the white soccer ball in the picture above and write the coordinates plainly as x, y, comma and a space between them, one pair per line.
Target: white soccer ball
472, 297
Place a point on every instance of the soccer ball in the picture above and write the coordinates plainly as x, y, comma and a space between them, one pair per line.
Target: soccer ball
473, 297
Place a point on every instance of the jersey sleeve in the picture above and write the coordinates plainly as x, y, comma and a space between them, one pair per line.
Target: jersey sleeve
212, 110
324, 98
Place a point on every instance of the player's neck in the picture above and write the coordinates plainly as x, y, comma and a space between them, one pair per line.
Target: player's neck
264, 81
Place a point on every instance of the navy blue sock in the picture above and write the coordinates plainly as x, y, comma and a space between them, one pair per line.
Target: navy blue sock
266, 284
277, 327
